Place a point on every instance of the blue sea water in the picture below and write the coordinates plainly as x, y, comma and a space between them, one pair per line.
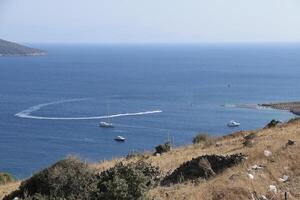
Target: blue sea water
195, 86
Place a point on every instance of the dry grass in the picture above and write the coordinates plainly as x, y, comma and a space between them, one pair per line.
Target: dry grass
233, 183
8, 188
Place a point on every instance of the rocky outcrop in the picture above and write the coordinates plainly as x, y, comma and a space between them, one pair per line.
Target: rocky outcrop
202, 167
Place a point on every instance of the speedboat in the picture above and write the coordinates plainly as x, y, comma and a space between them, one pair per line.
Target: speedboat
233, 123
106, 125
120, 138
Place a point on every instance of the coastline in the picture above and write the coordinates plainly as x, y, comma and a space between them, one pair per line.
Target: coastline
235, 182
293, 107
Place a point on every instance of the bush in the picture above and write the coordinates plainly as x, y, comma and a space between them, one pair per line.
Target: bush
249, 140
162, 148
136, 154
272, 123
250, 136
5, 178
203, 138
126, 182
248, 143
67, 179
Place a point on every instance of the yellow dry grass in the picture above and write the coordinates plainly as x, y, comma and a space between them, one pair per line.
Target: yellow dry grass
233, 183
8, 188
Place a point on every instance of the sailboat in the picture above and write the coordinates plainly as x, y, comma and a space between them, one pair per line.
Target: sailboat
107, 123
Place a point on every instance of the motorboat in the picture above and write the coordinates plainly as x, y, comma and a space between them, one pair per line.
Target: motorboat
120, 138
233, 123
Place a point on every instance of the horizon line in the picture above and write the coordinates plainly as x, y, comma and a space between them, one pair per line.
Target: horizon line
163, 43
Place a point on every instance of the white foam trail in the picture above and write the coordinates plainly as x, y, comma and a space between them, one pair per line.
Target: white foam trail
27, 113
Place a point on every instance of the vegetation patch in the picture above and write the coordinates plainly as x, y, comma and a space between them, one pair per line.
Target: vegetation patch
136, 154
272, 123
67, 179
126, 182
250, 136
249, 140
162, 148
203, 138
202, 167
5, 178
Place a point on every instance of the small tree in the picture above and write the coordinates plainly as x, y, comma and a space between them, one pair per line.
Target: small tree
203, 138
272, 123
5, 178
125, 182
162, 148
67, 179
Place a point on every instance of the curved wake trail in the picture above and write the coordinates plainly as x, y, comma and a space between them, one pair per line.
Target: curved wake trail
28, 112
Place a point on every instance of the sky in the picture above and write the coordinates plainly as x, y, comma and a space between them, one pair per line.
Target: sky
149, 21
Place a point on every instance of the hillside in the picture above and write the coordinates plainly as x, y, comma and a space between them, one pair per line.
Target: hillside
14, 49
269, 156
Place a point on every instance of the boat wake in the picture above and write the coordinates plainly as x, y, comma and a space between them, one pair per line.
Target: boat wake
28, 112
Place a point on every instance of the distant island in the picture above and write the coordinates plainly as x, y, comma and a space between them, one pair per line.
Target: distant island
13, 49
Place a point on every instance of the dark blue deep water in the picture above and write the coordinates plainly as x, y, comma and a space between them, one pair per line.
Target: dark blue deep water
195, 86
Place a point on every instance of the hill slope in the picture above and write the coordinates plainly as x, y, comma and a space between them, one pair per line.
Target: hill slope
266, 169
14, 49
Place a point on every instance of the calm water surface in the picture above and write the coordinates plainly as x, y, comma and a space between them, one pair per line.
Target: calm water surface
197, 88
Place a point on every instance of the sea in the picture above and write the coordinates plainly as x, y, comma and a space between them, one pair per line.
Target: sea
51, 106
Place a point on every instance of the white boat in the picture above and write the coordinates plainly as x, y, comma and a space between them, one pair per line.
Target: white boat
233, 123
106, 125
120, 138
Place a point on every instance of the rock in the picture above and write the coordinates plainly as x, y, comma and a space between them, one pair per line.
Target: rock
290, 142
250, 176
267, 153
284, 178
263, 197
255, 167
234, 177
272, 188
218, 144
202, 167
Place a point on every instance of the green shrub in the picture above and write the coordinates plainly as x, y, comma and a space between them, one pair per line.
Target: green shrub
67, 179
250, 136
272, 123
125, 182
136, 154
203, 138
162, 148
248, 143
5, 178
